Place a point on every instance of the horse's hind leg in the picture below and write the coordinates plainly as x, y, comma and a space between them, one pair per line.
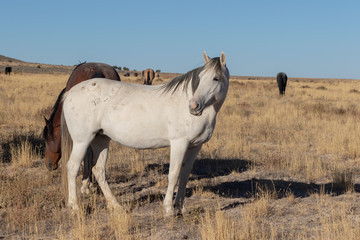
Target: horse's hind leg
73, 166
87, 174
100, 146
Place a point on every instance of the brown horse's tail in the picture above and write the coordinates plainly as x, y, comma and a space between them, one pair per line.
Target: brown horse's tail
152, 77
66, 147
143, 76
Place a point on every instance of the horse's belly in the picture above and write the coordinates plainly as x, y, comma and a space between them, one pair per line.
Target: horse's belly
135, 133
140, 142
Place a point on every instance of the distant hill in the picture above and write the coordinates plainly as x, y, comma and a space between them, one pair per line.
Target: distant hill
19, 66
8, 59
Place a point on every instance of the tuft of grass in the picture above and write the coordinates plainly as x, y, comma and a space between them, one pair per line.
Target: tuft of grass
321, 88
343, 181
354, 91
22, 155
215, 224
120, 224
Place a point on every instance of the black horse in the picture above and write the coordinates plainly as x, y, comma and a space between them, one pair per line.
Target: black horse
8, 70
281, 79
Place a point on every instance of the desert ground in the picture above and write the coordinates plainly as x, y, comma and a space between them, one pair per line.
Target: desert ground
276, 167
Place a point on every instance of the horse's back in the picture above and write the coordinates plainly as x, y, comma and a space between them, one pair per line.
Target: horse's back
115, 90
91, 70
281, 76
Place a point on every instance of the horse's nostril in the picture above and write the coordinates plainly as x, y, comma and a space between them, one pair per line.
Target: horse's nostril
49, 165
194, 105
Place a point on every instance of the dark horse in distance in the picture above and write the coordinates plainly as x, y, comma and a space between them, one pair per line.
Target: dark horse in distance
8, 70
281, 79
52, 129
148, 75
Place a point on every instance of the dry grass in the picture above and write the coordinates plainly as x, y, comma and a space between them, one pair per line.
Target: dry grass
308, 132
215, 224
23, 155
300, 151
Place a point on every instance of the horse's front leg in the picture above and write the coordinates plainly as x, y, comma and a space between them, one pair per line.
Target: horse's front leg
177, 153
186, 167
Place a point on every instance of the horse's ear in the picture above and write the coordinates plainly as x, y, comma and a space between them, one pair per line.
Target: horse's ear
223, 59
206, 57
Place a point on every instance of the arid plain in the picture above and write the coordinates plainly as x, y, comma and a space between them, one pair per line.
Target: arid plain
276, 167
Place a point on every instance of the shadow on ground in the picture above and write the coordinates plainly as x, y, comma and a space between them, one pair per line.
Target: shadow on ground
210, 168
281, 188
207, 168
203, 168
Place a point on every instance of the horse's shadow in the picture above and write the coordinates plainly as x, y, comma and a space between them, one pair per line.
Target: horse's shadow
280, 188
209, 168
202, 168
276, 188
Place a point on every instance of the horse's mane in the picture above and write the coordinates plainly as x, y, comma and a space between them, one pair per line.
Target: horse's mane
79, 65
50, 129
192, 76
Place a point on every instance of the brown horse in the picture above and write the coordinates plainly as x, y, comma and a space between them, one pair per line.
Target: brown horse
148, 75
8, 70
52, 129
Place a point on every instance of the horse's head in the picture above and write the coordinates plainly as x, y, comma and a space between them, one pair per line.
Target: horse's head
52, 146
212, 86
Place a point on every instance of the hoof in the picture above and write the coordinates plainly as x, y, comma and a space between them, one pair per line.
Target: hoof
169, 212
74, 207
86, 187
183, 211
115, 206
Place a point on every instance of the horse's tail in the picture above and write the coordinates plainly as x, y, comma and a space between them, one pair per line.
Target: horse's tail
147, 77
66, 147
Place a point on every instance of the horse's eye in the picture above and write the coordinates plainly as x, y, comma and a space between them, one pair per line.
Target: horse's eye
216, 79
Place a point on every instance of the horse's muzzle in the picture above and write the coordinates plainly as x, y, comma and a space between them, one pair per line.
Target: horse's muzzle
51, 166
195, 108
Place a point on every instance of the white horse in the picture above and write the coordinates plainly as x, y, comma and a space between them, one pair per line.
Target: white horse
180, 113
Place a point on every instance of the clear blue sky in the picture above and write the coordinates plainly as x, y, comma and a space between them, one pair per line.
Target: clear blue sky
308, 38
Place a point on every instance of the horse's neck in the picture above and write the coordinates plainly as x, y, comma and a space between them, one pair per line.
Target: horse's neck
218, 105
57, 116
